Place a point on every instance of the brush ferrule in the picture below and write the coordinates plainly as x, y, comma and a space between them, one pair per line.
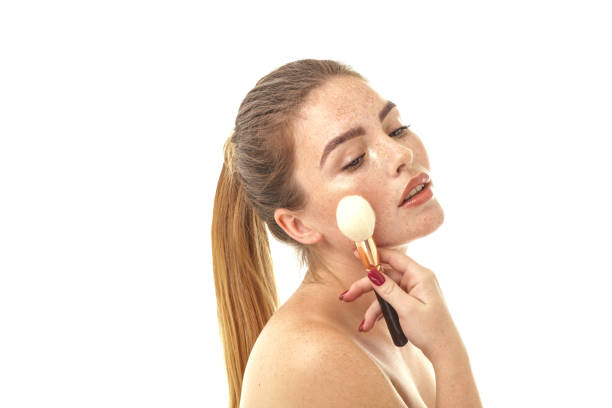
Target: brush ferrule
368, 253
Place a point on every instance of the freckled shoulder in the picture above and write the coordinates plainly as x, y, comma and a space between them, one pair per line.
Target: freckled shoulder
311, 364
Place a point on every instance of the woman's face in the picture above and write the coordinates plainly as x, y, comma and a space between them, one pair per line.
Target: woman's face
375, 164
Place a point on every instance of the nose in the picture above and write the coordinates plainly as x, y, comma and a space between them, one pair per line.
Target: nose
399, 158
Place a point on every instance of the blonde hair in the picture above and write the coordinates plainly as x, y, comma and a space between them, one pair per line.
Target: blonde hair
256, 178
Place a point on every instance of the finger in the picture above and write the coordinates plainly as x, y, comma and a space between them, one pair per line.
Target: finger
402, 262
372, 314
364, 285
392, 293
398, 259
412, 272
395, 275
388, 269
358, 288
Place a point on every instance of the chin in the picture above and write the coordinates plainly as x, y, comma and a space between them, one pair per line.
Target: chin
425, 224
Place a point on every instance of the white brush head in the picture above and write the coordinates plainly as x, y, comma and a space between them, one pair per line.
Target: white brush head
355, 218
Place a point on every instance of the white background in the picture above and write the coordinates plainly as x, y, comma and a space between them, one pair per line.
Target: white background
112, 119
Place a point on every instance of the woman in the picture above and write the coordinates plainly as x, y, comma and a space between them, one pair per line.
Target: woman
308, 134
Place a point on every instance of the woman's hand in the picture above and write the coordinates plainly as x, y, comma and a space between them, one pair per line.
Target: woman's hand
415, 294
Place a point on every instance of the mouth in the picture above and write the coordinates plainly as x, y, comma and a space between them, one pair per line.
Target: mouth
414, 187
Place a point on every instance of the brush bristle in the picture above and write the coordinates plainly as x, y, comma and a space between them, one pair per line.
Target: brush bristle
355, 218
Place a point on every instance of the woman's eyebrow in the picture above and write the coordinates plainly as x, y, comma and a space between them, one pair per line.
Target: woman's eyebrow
351, 133
383, 113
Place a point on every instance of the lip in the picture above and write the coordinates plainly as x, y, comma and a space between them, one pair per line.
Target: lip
421, 178
422, 197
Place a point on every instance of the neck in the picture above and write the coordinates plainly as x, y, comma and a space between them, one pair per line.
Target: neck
335, 272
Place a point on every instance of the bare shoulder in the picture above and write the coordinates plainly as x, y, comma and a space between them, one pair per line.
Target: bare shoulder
311, 364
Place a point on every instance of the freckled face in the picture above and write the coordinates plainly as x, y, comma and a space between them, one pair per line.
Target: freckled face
376, 165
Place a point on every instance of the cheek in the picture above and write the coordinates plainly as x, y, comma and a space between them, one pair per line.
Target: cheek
366, 184
326, 196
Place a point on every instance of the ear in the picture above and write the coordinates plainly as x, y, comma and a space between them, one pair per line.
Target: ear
295, 227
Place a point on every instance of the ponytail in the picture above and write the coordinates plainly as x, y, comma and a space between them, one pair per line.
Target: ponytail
242, 268
258, 176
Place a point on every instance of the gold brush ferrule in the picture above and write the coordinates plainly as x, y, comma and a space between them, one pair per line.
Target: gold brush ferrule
368, 254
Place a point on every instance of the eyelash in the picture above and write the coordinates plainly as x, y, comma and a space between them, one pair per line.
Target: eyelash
399, 132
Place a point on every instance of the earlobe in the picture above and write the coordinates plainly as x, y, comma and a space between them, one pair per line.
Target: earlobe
295, 227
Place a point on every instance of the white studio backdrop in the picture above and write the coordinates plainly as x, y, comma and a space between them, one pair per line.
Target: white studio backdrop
112, 120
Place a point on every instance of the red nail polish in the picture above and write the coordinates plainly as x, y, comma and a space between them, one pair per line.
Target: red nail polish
361, 325
343, 293
376, 277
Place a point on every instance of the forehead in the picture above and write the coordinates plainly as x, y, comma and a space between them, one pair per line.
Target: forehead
339, 99
339, 104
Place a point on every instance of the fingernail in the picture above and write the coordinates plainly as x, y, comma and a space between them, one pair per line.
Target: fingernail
361, 325
342, 295
376, 277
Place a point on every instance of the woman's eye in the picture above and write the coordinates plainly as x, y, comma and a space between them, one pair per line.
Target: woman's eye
355, 163
399, 132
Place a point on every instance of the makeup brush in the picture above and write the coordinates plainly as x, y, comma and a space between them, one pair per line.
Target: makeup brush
356, 219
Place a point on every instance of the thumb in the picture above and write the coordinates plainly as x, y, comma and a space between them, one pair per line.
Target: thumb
391, 291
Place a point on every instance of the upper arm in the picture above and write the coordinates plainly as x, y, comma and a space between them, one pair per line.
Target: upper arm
323, 369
